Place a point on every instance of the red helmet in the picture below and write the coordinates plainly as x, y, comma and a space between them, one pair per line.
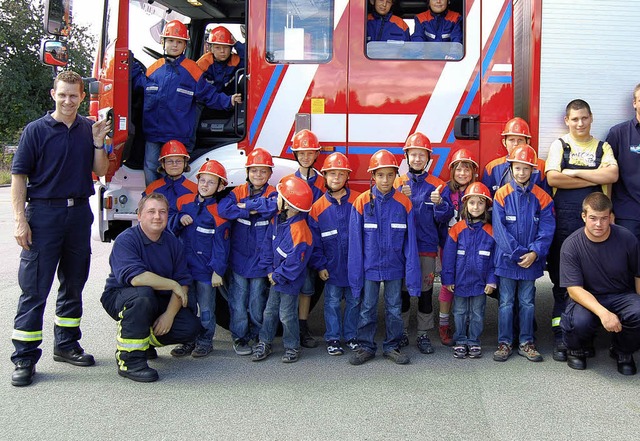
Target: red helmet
525, 154
305, 140
462, 155
296, 193
175, 29
518, 127
259, 158
477, 189
418, 141
381, 159
173, 148
336, 161
213, 167
220, 35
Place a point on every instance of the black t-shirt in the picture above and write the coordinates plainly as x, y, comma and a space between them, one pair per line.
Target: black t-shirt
607, 267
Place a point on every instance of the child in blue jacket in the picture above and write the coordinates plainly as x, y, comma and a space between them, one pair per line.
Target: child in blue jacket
220, 65
524, 223
468, 269
329, 224
251, 207
206, 238
285, 252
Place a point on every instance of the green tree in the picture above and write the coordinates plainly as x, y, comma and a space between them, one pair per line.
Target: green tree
25, 81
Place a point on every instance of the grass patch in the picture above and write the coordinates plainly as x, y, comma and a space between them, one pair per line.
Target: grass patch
5, 177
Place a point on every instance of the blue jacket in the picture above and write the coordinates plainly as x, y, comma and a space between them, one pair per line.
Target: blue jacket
329, 224
171, 90
220, 73
523, 221
624, 139
498, 173
444, 27
248, 230
172, 190
427, 215
206, 240
382, 241
387, 27
467, 259
285, 253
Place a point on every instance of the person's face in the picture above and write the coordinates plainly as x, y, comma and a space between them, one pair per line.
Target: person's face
68, 98
636, 104
258, 176
336, 179
463, 173
208, 184
382, 7
438, 6
476, 206
174, 47
153, 217
511, 141
597, 223
417, 158
521, 172
384, 177
173, 165
221, 52
306, 158
579, 123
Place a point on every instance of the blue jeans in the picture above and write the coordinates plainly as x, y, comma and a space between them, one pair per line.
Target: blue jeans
205, 295
285, 307
336, 327
526, 290
151, 163
247, 299
468, 310
369, 315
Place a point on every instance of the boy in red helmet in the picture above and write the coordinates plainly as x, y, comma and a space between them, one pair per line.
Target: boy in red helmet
220, 65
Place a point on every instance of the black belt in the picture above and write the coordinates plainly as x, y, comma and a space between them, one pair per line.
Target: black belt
59, 202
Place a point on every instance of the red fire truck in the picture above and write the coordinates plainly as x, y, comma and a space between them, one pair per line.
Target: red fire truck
309, 65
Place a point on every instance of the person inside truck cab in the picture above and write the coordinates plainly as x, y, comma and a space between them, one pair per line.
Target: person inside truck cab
172, 86
438, 24
220, 65
382, 25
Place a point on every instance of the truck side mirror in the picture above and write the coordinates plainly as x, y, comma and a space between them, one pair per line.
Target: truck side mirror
57, 17
54, 53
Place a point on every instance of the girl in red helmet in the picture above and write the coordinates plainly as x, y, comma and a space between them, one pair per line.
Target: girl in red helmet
220, 65
468, 269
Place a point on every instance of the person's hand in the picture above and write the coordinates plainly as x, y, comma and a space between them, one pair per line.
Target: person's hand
270, 277
450, 287
610, 322
406, 190
527, 259
99, 130
163, 324
323, 274
435, 195
216, 280
236, 98
186, 220
569, 172
182, 292
242, 205
488, 289
22, 233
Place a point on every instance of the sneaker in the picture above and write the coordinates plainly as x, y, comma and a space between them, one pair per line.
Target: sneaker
475, 351
446, 335
307, 340
352, 344
334, 348
503, 353
242, 348
460, 351
424, 344
201, 351
528, 350
261, 351
183, 350
397, 357
404, 341
361, 356
290, 356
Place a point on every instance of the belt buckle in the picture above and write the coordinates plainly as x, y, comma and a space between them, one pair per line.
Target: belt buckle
70, 202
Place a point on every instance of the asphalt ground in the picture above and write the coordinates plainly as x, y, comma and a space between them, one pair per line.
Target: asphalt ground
227, 397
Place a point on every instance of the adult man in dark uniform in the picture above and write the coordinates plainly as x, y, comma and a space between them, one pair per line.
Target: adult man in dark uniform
52, 172
146, 291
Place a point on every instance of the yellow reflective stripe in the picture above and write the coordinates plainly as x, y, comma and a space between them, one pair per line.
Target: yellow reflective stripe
153, 340
67, 322
555, 321
26, 335
132, 344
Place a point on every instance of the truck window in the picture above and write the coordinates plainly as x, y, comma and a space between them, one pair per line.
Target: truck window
430, 36
299, 31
